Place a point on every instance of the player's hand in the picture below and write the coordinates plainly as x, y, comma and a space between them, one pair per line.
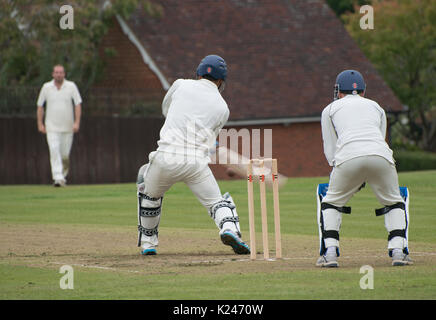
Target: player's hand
41, 128
76, 127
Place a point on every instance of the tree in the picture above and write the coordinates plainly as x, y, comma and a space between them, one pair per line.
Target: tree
343, 6
31, 40
402, 46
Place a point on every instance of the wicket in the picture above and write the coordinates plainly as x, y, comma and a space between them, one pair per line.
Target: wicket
263, 208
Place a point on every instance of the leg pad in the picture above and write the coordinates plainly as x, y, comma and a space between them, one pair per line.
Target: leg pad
330, 234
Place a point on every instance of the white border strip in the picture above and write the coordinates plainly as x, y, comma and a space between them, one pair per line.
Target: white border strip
272, 121
145, 56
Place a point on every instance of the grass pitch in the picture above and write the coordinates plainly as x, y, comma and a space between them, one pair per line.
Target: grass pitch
92, 228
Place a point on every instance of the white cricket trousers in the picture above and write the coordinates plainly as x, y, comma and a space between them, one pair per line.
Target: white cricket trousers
59, 145
345, 181
163, 171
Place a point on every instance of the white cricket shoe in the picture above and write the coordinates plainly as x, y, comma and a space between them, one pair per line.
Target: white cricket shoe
400, 259
327, 261
60, 183
148, 252
148, 249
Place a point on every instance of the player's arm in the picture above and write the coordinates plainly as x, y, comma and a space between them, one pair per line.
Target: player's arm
383, 123
77, 115
77, 99
216, 130
40, 110
168, 97
329, 136
40, 118
222, 123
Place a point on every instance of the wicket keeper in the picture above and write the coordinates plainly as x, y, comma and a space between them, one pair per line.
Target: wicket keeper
353, 132
195, 112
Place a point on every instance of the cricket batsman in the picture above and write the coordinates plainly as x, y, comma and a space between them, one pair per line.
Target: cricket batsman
353, 132
195, 112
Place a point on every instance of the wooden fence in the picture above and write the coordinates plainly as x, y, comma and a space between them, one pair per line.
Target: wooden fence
106, 150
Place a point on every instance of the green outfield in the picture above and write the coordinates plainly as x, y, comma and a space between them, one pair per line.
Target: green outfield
92, 228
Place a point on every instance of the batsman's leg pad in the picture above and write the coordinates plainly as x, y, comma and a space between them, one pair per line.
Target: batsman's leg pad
149, 210
225, 222
224, 214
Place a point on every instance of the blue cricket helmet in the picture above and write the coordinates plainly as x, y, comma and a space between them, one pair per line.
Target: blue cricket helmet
349, 81
213, 65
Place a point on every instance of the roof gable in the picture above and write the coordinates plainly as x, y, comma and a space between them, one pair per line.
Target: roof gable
282, 55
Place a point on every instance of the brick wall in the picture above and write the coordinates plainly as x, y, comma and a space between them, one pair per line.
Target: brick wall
298, 148
126, 69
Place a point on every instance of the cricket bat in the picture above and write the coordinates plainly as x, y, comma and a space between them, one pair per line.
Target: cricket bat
236, 165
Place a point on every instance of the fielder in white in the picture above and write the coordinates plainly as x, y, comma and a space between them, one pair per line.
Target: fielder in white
62, 120
195, 113
353, 132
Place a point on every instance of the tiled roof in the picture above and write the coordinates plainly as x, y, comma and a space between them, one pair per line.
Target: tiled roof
282, 55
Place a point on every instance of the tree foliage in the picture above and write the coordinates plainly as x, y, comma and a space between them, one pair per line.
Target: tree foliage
343, 6
31, 40
402, 46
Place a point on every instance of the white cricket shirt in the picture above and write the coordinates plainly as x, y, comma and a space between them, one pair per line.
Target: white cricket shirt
59, 111
195, 112
354, 126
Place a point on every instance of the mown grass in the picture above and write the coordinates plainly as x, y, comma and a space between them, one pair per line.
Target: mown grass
114, 206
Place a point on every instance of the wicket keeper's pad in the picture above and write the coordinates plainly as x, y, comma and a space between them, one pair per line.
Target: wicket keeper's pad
321, 191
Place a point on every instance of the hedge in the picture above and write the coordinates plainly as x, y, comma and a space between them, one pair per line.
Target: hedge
414, 160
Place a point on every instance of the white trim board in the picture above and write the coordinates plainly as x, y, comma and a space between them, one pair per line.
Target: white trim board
254, 122
145, 56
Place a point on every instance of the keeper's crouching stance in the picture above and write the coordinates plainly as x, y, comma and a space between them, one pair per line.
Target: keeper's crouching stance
353, 130
195, 113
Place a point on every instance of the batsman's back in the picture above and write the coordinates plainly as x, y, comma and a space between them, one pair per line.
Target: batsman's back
196, 114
